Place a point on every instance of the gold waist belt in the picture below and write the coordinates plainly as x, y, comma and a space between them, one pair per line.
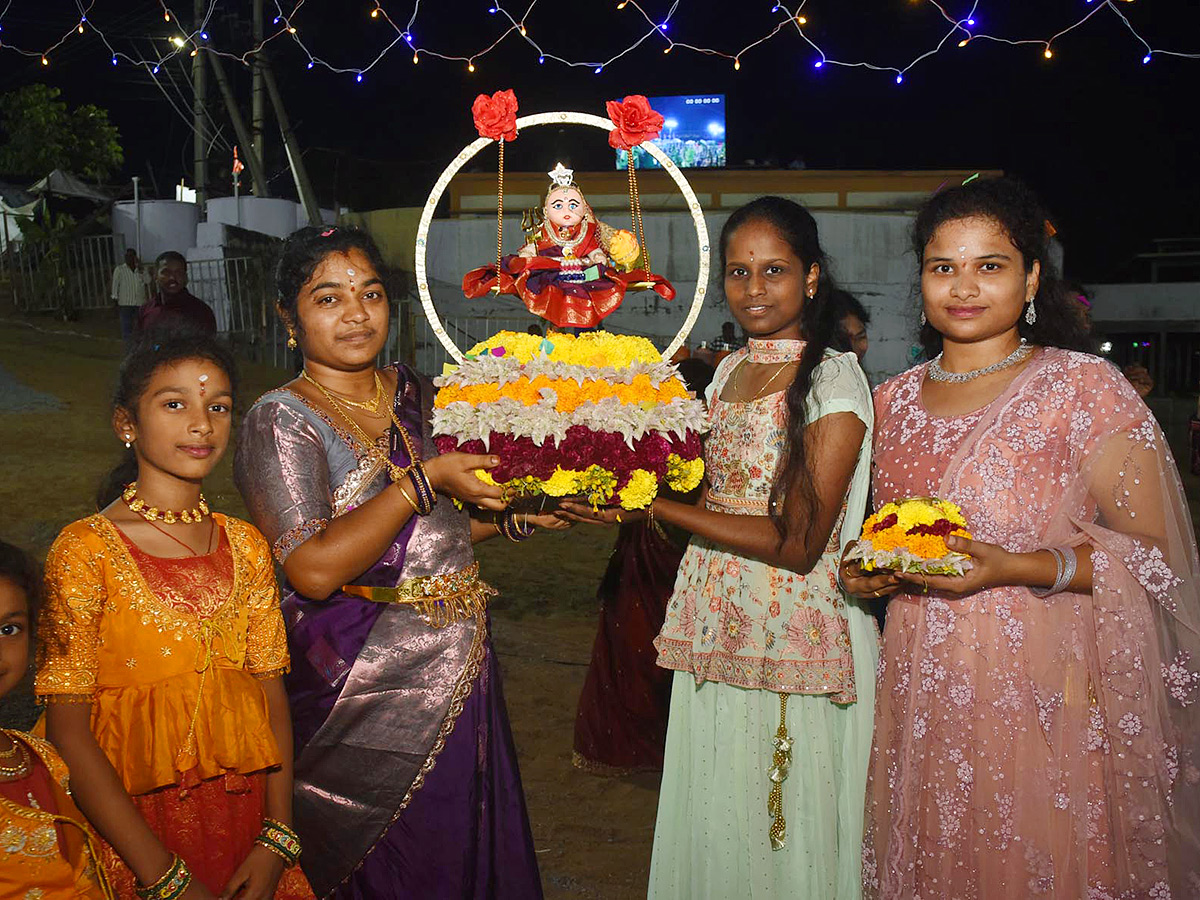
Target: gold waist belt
441, 599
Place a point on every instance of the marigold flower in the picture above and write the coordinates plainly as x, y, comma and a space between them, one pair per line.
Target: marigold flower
640, 490
911, 536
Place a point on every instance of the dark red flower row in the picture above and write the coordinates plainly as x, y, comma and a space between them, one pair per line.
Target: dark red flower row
582, 447
940, 528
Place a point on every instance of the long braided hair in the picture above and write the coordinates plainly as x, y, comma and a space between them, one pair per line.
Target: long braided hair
793, 484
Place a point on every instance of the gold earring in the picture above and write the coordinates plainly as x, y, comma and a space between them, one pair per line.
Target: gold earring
291, 341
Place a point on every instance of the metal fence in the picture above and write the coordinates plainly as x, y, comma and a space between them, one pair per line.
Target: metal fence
425, 352
240, 290
49, 276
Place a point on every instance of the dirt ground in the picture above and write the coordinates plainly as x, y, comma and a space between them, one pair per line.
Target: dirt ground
592, 834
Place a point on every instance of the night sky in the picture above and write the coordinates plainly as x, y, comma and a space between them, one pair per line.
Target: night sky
1111, 144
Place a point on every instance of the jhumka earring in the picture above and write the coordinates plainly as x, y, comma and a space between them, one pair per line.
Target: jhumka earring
1031, 313
291, 341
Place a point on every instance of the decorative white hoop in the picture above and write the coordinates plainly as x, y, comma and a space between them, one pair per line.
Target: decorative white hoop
558, 118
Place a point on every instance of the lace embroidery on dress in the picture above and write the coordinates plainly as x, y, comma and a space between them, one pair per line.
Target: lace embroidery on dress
738, 620
1040, 747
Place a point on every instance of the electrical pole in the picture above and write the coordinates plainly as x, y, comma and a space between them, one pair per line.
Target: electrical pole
200, 135
250, 154
258, 112
291, 146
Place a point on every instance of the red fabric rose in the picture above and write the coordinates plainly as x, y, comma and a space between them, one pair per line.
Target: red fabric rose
635, 122
496, 116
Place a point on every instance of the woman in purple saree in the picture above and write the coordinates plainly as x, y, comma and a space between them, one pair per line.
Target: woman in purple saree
406, 775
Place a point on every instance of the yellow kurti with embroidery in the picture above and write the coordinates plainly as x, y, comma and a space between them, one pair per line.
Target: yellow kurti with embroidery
32, 866
171, 680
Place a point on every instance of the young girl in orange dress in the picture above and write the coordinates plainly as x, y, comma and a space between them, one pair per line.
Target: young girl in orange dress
162, 652
48, 852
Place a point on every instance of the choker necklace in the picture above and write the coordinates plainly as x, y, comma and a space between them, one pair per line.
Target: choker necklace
153, 513
781, 350
937, 373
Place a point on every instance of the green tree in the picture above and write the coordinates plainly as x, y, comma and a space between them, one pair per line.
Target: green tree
41, 134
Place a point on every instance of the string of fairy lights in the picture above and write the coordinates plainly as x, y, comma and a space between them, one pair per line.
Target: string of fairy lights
521, 24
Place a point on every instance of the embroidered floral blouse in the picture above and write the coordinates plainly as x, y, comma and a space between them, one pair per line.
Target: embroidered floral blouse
742, 621
45, 847
166, 650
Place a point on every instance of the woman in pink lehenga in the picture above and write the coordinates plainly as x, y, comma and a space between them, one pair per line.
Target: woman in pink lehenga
1036, 728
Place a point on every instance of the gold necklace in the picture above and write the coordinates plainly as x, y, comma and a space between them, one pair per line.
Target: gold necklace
737, 379
11, 751
395, 473
370, 407
568, 245
22, 767
151, 513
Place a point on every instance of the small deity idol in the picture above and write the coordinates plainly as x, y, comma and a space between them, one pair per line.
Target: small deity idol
576, 269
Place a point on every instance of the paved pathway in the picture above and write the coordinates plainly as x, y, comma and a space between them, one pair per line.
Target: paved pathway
16, 396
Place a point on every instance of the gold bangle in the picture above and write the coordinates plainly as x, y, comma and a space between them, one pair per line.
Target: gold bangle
404, 494
171, 885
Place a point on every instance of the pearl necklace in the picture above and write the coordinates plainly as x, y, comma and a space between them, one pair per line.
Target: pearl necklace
937, 373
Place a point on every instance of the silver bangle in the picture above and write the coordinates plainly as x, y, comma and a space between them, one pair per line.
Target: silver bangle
1069, 569
1065, 566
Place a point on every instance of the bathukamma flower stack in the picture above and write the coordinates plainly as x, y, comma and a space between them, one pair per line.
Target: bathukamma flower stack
910, 536
599, 415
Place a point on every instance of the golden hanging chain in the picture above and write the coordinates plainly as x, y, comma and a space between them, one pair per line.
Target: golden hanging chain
781, 761
637, 198
499, 219
635, 214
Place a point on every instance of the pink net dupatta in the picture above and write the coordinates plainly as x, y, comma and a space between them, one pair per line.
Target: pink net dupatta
1144, 661
1030, 747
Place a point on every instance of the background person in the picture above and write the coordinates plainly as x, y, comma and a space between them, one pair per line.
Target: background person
853, 320
130, 289
1141, 379
172, 304
621, 719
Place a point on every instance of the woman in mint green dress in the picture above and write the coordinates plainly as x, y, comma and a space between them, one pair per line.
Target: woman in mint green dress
773, 697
